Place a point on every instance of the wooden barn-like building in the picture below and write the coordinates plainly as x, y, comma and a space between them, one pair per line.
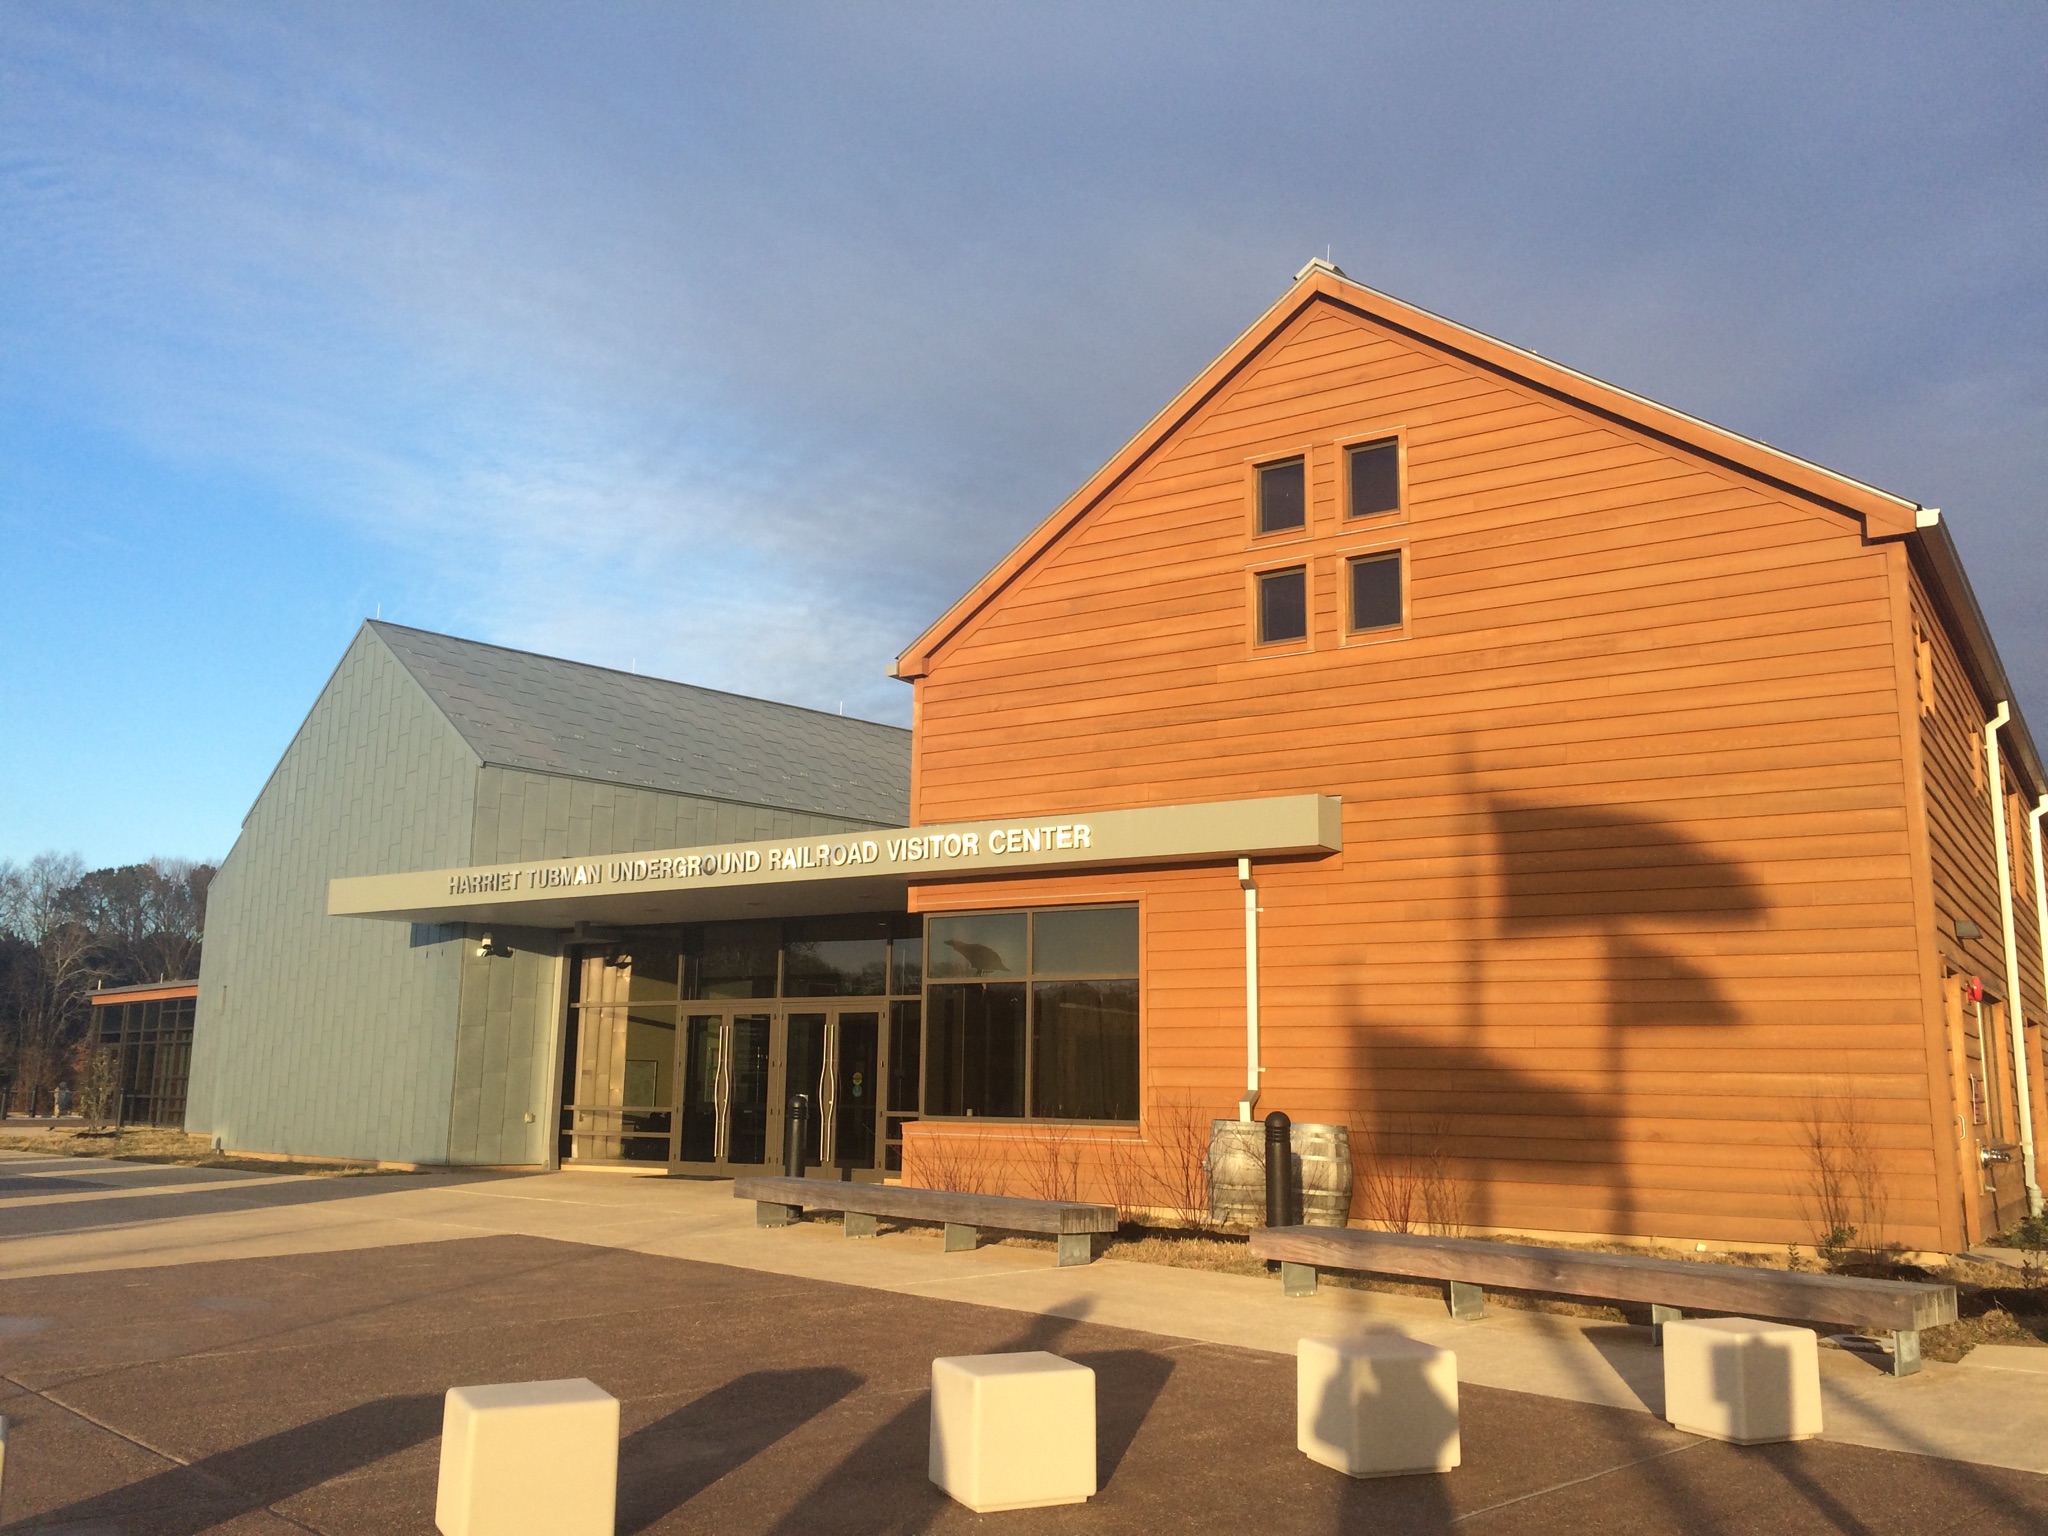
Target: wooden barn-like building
1691, 878
1624, 828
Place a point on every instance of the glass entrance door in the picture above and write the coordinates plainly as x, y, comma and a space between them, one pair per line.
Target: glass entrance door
724, 1073
832, 1056
854, 1125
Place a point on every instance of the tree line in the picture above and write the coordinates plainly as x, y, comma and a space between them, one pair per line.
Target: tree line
66, 931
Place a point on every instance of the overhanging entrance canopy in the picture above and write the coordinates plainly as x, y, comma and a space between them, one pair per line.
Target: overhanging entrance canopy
844, 872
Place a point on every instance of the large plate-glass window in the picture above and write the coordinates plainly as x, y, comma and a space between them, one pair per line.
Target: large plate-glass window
731, 960
836, 957
622, 1094
1060, 1042
987, 944
974, 1049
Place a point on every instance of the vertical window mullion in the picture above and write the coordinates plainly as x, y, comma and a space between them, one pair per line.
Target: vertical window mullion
1030, 1018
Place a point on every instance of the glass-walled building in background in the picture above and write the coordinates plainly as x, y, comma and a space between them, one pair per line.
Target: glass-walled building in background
146, 1030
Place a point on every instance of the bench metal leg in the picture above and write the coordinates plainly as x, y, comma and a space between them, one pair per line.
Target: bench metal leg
859, 1224
1297, 1279
961, 1239
1906, 1352
1467, 1301
769, 1214
1076, 1248
1659, 1316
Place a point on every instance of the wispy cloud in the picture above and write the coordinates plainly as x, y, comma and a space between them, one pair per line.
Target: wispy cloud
735, 343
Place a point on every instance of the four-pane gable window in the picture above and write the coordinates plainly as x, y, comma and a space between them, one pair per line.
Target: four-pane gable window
1338, 514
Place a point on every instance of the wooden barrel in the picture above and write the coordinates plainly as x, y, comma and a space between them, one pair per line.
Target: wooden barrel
1322, 1170
1237, 1173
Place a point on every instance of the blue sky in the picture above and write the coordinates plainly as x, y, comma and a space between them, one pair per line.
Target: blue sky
733, 343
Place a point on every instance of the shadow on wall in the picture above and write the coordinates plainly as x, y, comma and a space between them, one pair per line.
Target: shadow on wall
1448, 1120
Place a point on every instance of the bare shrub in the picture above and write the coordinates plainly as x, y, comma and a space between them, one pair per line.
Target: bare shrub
98, 1075
1443, 1192
1180, 1163
1180, 1168
952, 1162
1125, 1178
1053, 1161
1388, 1192
1406, 1174
1843, 1199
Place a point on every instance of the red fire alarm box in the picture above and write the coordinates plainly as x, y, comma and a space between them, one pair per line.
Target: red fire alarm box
1976, 992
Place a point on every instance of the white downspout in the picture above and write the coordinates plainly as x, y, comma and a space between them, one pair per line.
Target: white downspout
1252, 1069
1995, 778
2041, 921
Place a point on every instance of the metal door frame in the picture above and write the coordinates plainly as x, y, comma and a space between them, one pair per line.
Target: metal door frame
727, 1012
824, 1092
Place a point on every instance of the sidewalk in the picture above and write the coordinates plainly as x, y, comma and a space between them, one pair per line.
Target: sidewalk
70, 1216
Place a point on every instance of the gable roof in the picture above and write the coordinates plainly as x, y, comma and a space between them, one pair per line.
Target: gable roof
1883, 514
545, 715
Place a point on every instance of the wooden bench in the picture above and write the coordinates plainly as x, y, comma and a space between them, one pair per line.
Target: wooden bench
1670, 1286
778, 1200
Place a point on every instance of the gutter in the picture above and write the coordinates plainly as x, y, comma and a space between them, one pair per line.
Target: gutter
2015, 1022
1252, 1069
2041, 919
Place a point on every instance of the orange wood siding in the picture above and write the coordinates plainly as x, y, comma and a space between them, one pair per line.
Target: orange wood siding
1964, 860
1627, 893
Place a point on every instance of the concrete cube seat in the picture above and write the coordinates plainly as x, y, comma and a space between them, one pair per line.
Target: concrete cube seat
1013, 1431
1737, 1379
530, 1458
1377, 1405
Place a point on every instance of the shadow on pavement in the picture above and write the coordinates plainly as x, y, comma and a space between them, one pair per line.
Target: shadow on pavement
206, 1197
1622, 1347
183, 1501
1127, 1383
670, 1461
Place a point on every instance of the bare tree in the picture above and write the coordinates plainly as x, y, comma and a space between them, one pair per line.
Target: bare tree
47, 996
146, 918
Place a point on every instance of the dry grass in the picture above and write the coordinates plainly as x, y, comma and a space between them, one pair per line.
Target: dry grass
146, 1144
1954, 1340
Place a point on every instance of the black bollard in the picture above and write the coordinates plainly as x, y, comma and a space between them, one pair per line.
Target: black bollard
1279, 1171
793, 1135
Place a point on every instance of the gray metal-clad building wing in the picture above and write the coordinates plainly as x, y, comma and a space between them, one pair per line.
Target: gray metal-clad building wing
545, 715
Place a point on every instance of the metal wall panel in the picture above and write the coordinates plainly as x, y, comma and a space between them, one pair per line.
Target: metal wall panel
331, 1036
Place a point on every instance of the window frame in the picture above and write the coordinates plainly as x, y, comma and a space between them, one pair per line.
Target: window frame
1255, 576
1398, 436
1355, 554
1030, 981
1254, 467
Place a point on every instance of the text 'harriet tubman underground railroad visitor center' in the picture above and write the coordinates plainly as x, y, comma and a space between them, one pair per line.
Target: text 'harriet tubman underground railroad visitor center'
1599, 813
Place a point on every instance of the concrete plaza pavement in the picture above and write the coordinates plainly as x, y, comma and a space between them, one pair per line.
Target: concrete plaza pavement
256, 1264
